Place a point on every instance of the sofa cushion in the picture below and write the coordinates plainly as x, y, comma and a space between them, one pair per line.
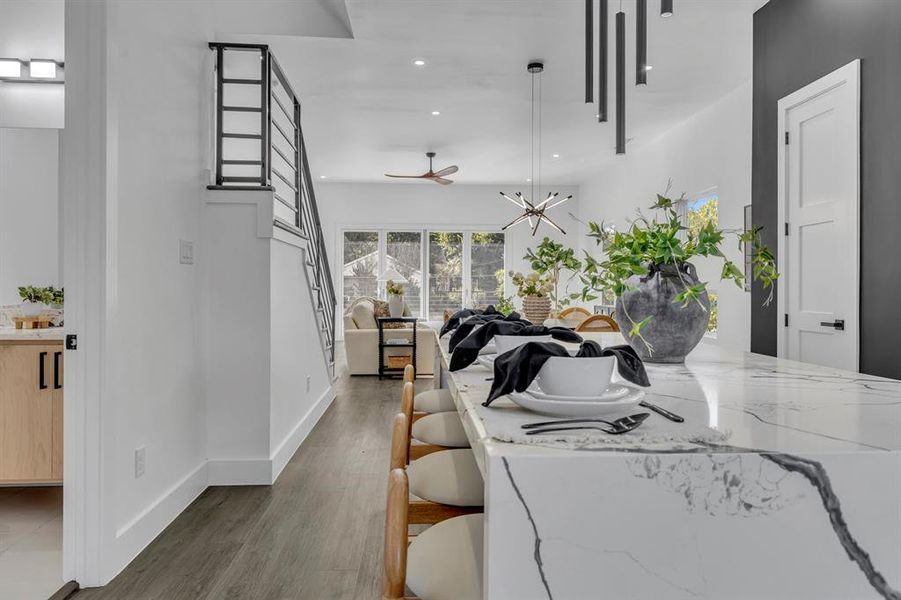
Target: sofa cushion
363, 316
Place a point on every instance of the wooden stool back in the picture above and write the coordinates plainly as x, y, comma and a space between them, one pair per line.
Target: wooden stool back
400, 442
396, 523
598, 323
406, 408
409, 374
574, 312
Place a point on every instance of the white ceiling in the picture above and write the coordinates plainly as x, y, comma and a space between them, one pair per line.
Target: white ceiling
367, 109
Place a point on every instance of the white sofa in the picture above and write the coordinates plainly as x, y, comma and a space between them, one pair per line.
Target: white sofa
361, 340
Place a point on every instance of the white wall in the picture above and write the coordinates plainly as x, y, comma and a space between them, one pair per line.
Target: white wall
378, 205
29, 210
712, 148
133, 165
31, 29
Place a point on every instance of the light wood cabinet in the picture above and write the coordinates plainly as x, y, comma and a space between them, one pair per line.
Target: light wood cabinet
31, 408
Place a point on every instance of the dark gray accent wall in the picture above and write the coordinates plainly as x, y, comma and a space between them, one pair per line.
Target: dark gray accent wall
797, 42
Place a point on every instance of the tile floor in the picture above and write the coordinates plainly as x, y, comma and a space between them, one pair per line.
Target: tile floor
31, 542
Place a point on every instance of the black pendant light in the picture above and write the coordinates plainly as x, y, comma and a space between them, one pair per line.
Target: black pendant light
620, 82
666, 8
641, 42
589, 52
602, 61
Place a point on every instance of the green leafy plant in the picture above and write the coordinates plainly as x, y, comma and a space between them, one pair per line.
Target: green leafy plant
666, 240
531, 285
505, 305
394, 289
40, 295
552, 259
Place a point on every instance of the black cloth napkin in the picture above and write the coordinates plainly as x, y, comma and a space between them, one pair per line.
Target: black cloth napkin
467, 351
515, 370
453, 322
465, 328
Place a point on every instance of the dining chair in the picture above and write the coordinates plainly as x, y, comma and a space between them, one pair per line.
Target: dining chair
429, 401
574, 313
443, 562
445, 484
598, 323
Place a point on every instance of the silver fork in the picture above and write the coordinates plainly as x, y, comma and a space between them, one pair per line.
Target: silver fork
617, 427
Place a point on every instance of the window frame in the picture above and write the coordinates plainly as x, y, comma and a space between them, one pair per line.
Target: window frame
423, 230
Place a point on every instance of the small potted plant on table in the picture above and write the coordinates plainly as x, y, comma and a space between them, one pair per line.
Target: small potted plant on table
551, 259
395, 298
535, 290
34, 300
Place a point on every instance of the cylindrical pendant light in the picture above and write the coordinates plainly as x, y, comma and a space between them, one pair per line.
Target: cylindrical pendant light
589, 52
666, 8
602, 61
620, 82
641, 42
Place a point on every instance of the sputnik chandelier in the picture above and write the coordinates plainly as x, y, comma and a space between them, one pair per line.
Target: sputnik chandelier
535, 212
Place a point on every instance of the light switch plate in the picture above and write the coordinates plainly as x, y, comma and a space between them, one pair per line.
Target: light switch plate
140, 461
185, 252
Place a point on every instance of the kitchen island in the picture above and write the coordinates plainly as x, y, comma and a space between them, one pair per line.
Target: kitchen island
793, 493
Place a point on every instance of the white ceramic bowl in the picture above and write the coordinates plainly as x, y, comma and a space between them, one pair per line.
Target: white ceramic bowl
576, 376
505, 343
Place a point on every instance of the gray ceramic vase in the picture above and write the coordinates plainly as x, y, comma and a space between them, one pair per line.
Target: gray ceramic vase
673, 331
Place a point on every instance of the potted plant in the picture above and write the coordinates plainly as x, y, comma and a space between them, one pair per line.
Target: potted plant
662, 307
551, 259
56, 297
534, 289
395, 298
34, 300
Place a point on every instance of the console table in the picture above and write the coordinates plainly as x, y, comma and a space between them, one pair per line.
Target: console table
385, 371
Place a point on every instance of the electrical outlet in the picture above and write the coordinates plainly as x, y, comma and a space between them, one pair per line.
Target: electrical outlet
185, 252
140, 461
308, 384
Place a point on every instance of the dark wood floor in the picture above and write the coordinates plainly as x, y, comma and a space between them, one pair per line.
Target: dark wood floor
315, 534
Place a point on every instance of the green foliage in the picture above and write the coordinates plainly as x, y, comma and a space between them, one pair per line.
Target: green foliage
531, 285
505, 305
394, 289
552, 259
665, 240
41, 295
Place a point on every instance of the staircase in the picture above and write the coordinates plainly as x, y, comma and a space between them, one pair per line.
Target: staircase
260, 145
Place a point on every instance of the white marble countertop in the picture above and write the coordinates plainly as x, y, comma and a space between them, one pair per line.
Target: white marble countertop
762, 403
52, 334
801, 502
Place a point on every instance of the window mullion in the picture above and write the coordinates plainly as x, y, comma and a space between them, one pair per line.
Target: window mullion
467, 268
383, 260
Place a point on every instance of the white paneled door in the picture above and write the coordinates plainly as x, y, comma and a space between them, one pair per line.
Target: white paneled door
819, 164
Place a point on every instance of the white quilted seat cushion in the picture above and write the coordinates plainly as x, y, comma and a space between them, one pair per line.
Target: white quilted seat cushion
448, 477
441, 429
434, 401
445, 561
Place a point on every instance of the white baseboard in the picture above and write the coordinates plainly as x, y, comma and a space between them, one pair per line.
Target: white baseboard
135, 535
286, 449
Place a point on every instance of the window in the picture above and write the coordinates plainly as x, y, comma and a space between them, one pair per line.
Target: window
445, 270
714, 313
404, 254
487, 271
703, 210
361, 264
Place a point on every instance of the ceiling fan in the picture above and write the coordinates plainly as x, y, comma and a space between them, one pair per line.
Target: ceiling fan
436, 176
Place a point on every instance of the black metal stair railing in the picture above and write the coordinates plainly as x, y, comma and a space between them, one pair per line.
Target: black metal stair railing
259, 144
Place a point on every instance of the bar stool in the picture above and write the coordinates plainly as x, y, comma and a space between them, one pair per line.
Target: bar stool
430, 401
443, 429
442, 563
446, 484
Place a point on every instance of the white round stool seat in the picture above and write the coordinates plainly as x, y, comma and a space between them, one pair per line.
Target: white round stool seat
445, 561
434, 401
441, 429
448, 477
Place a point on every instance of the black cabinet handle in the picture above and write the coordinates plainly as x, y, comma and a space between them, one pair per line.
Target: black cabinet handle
56, 384
42, 360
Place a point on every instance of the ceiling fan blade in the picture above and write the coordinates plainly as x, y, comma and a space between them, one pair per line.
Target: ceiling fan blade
447, 171
441, 180
407, 176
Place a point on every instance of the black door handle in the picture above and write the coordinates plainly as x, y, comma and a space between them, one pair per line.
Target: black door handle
42, 359
56, 384
838, 324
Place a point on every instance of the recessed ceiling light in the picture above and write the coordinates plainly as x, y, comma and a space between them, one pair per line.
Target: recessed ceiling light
528, 181
323, 177
435, 113
42, 69
648, 67
419, 62
10, 68
555, 155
